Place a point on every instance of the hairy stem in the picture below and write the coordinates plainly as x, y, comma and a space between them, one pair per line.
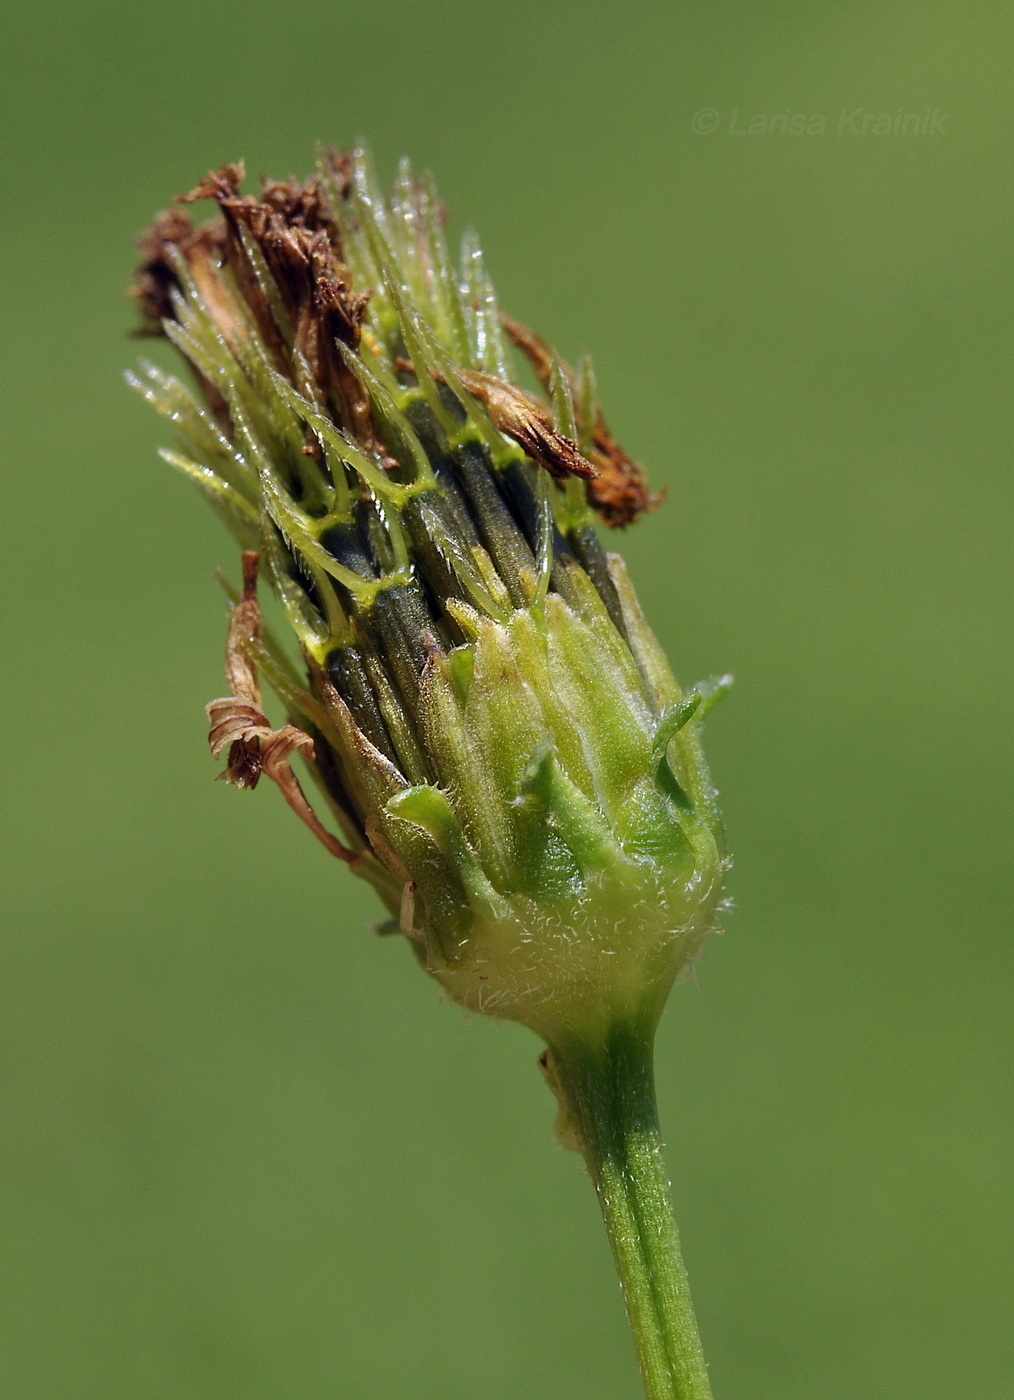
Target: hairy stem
608, 1092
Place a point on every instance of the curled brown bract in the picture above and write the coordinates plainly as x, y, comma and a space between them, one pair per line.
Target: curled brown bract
619, 488
238, 722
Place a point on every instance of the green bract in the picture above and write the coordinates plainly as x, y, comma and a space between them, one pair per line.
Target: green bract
485, 711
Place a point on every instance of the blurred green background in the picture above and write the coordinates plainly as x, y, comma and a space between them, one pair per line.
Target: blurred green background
248, 1152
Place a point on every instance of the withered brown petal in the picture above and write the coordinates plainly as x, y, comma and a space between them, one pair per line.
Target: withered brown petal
237, 720
156, 277
528, 422
223, 183
619, 490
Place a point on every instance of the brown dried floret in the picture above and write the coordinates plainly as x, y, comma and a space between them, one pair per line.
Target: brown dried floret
519, 416
528, 422
156, 277
306, 302
619, 489
342, 165
301, 202
238, 723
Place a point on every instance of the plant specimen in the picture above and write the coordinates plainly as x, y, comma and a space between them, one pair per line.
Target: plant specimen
497, 743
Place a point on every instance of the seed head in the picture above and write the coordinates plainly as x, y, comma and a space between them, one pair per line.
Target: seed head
488, 719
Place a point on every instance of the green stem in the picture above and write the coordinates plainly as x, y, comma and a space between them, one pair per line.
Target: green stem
609, 1091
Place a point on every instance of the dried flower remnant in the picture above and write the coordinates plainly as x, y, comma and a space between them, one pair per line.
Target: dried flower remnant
485, 713
492, 699
238, 722
619, 488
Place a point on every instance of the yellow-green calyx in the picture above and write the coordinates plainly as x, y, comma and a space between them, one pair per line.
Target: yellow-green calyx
487, 716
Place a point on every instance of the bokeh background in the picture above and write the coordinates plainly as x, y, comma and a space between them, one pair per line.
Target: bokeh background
248, 1152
